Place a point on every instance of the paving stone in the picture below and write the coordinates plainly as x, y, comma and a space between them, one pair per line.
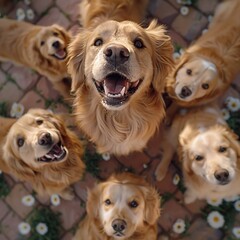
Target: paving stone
2, 78
67, 236
54, 16
40, 7
2, 237
196, 206
10, 93
177, 39
6, 65
3, 209
207, 6
14, 200
75, 29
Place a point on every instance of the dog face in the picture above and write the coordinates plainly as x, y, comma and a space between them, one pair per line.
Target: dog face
36, 139
213, 156
194, 79
120, 61
124, 206
52, 42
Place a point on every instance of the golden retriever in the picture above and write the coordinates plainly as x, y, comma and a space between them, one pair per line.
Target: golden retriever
39, 149
43, 49
124, 207
210, 64
118, 74
209, 153
93, 12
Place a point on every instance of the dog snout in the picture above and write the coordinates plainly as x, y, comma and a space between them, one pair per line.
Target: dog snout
222, 176
45, 139
119, 225
116, 54
185, 92
56, 44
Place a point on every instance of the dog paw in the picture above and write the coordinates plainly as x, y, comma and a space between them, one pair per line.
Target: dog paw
67, 194
160, 173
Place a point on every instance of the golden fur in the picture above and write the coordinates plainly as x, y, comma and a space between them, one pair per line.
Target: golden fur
40, 48
120, 125
24, 143
209, 153
209, 65
93, 12
111, 201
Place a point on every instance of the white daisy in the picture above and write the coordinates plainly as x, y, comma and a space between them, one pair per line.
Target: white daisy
0, 172
179, 226
176, 56
181, 51
231, 199
225, 114
42, 228
28, 200
215, 219
176, 179
55, 199
17, 110
106, 156
184, 10
233, 104
24, 228
214, 202
145, 166
237, 205
27, 2
236, 232
30, 14
210, 18
204, 30
20, 14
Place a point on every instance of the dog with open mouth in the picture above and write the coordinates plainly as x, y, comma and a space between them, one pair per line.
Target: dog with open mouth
118, 72
210, 64
123, 207
41, 48
39, 149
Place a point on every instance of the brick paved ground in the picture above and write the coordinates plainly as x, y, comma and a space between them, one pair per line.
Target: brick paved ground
22, 85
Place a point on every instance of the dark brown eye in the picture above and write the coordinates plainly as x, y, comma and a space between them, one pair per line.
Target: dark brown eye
42, 43
189, 72
107, 202
55, 34
39, 121
20, 142
222, 149
133, 204
205, 86
138, 43
98, 42
198, 158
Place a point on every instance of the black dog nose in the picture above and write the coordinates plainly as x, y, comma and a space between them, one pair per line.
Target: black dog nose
116, 54
119, 225
185, 92
222, 175
45, 139
56, 44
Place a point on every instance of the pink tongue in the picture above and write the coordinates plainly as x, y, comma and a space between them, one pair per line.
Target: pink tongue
114, 86
60, 53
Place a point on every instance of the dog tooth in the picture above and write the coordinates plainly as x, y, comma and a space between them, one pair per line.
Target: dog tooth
123, 91
48, 156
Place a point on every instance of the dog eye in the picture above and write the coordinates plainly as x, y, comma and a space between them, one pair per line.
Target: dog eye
39, 121
55, 34
42, 43
20, 142
98, 42
138, 43
205, 86
133, 204
198, 158
222, 149
189, 72
107, 202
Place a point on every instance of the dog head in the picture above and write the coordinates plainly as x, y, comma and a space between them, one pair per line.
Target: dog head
212, 154
35, 140
123, 205
119, 61
194, 78
52, 42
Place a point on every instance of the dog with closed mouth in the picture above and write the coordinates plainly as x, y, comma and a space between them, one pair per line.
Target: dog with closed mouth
123, 207
118, 72
39, 149
42, 48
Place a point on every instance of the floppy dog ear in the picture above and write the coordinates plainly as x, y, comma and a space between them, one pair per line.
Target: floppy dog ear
163, 54
66, 35
76, 62
152, 205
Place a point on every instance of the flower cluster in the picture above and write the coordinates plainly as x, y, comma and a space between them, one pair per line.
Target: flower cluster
28, 14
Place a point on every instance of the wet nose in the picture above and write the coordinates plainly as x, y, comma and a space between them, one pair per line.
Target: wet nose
222, 175
119, 225
56, 44
185, 92
116, 54
45, 139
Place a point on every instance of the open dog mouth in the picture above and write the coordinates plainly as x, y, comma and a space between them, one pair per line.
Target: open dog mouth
60, 54
57, 153
116, 89
119, 234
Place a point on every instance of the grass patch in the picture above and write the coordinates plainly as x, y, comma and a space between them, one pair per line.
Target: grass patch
4, 188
